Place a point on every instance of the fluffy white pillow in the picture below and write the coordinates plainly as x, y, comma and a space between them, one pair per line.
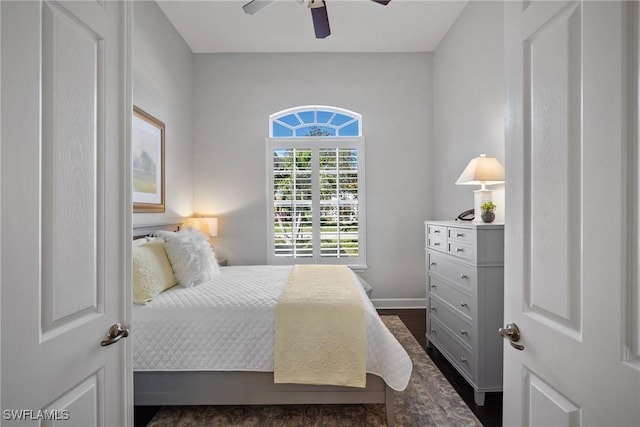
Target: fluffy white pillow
191, 256
152, 273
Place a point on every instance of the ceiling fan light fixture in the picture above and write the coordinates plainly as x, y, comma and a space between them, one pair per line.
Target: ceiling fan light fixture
318, 13
314, 4
255, 6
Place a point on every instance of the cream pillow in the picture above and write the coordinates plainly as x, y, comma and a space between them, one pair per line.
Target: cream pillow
191, 256
152, 271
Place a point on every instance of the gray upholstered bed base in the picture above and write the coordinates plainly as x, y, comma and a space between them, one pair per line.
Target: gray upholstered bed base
250, 388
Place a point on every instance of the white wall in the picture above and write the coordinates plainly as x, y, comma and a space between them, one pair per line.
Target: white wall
234, 95
163, 87
468, 105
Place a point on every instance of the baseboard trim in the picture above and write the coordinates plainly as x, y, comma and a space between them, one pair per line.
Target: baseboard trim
400, 303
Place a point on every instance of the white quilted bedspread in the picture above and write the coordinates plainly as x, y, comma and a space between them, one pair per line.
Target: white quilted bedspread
227, 325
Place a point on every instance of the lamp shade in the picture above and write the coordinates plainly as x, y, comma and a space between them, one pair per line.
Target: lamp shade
482, 170
206, 225
210, 226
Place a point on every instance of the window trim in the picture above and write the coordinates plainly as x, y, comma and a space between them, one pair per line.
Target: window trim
315, 143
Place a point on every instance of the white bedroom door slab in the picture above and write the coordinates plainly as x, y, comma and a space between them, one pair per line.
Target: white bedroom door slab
569, 70
64, 213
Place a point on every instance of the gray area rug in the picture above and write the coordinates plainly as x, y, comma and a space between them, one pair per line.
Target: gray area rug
429, 400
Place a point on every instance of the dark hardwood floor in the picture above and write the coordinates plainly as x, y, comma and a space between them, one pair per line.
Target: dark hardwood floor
142, 415
490, 415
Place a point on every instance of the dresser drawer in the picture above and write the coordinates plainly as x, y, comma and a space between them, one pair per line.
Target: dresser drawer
454, 351
460, 250
456, 272
454, 296
453, 319
439, 243
463, 236
437, 230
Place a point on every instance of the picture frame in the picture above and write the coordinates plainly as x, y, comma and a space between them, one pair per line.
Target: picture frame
147, 162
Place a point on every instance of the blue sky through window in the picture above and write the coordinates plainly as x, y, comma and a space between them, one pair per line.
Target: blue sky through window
298, 122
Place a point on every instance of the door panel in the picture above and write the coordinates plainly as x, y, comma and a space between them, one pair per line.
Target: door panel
72, 133
553, 161
568, 131
83, 402
64, 211
546, 406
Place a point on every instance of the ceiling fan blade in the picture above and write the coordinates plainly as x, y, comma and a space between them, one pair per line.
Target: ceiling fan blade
320, 21
255, 6
382, 2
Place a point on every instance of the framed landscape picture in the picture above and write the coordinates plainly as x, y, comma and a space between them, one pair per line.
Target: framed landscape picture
147, 159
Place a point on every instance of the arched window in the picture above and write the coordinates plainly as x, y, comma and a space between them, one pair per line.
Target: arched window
314, 120
316, 194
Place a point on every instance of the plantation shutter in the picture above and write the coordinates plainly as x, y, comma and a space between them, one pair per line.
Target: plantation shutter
292, 203
339, 202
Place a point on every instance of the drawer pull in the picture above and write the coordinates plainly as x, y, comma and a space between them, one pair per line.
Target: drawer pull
436, 243
463, 332
433, 286
463, 359
433, 331
436, 231
459, 250
459, 235
433, 309
463, 304
463, 276
432, 264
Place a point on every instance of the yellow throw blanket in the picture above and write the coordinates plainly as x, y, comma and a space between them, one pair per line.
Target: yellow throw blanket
320, 328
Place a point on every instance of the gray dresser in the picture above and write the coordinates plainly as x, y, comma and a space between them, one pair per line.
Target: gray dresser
465, 277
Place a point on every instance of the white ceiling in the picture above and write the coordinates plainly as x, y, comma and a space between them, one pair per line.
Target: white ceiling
286, 25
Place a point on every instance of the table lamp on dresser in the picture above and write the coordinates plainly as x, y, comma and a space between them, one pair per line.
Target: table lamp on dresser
482, 171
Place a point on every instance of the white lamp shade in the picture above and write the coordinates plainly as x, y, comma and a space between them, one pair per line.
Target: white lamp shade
206, 225
210, 226
482, 170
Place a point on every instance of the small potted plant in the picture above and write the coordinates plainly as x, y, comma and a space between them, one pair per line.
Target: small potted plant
488, 211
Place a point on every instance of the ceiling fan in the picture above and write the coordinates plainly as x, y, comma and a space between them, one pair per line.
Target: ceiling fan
318, 13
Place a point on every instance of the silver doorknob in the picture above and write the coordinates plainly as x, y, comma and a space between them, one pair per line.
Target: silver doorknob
512, 333
115, 334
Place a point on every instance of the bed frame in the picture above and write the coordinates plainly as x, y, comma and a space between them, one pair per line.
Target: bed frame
155, 388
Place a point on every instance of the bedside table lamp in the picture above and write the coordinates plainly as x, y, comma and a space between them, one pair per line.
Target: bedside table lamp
206, 225
209, 226
482, 171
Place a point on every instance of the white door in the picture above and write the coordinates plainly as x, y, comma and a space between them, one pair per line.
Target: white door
64, 213
571, 75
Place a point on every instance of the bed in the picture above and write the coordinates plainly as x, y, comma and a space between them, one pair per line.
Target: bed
212, 344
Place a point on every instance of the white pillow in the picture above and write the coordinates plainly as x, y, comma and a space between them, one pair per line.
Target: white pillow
139, 242
152, 273
191, 256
